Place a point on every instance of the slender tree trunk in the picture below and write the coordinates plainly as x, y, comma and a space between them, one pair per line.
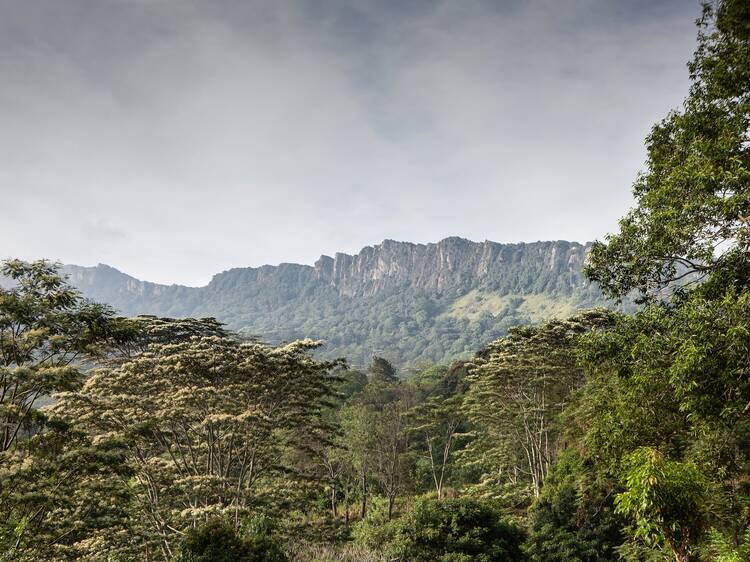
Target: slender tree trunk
363, 511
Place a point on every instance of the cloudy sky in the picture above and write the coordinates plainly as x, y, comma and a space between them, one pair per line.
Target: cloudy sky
173, 139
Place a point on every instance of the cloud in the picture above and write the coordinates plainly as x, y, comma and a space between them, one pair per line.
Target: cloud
102, 230
202, 135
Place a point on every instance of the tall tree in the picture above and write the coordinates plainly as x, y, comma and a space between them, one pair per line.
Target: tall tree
358, 438
518, 387
692, 214
391, 442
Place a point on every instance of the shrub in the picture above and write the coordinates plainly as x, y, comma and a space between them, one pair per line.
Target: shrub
376, 531
458, 530
217, 541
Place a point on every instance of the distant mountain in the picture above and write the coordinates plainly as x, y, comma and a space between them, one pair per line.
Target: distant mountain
410, 303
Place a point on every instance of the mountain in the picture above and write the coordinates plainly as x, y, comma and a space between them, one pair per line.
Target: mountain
410, 303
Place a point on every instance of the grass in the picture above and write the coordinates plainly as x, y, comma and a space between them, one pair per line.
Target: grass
307, 552
537, 307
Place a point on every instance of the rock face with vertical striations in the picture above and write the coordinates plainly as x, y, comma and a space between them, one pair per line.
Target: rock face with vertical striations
408, 302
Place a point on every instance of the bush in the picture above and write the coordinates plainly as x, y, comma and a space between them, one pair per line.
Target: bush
458, 530
375, 531
217, 541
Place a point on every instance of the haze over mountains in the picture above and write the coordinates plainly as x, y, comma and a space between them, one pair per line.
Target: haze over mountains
408, 302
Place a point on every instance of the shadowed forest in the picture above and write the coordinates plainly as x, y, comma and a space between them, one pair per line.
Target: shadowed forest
603, 435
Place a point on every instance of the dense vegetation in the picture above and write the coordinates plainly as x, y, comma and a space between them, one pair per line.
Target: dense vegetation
598, 437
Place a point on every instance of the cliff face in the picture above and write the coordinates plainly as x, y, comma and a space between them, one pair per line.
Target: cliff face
445, 265
361, 303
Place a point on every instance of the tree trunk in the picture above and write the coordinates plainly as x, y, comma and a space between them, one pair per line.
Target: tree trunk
363, 511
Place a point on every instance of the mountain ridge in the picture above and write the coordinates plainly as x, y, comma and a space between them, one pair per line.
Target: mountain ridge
410, 302
322, 263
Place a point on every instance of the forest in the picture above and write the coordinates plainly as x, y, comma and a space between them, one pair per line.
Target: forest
601, 436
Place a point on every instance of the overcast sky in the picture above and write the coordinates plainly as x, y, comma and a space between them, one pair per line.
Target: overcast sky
174, 139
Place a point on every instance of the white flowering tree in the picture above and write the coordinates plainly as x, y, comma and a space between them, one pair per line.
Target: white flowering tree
204, 420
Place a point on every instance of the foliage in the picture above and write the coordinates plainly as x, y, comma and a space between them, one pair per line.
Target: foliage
218, 541
46, 331
519, 385
574, 517
61, 496
377, 530
457, 530
666, 499
381, 370
205, 420
693, 202
57, 488
724, 549
437, 422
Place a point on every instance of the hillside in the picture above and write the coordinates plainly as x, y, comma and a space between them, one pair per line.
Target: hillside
408, 302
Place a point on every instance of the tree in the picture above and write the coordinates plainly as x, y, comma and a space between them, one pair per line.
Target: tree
692, 212
219, 541
205, 420
63, 497
381, 370
574, 519
673, 379
436, 422
47, 333
389, 448
136, 334
54, 494
457, 530
518, 386
666, 499
358, 440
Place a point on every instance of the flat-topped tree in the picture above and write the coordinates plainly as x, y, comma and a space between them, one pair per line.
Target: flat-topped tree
518, 388
205, 421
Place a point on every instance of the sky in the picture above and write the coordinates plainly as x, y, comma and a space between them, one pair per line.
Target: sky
174, 139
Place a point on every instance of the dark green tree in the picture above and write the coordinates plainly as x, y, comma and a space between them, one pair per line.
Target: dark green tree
219, 541
574, 519
458, 530
692, 214
381, 370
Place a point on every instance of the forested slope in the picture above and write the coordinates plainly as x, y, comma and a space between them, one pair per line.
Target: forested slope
408, 302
